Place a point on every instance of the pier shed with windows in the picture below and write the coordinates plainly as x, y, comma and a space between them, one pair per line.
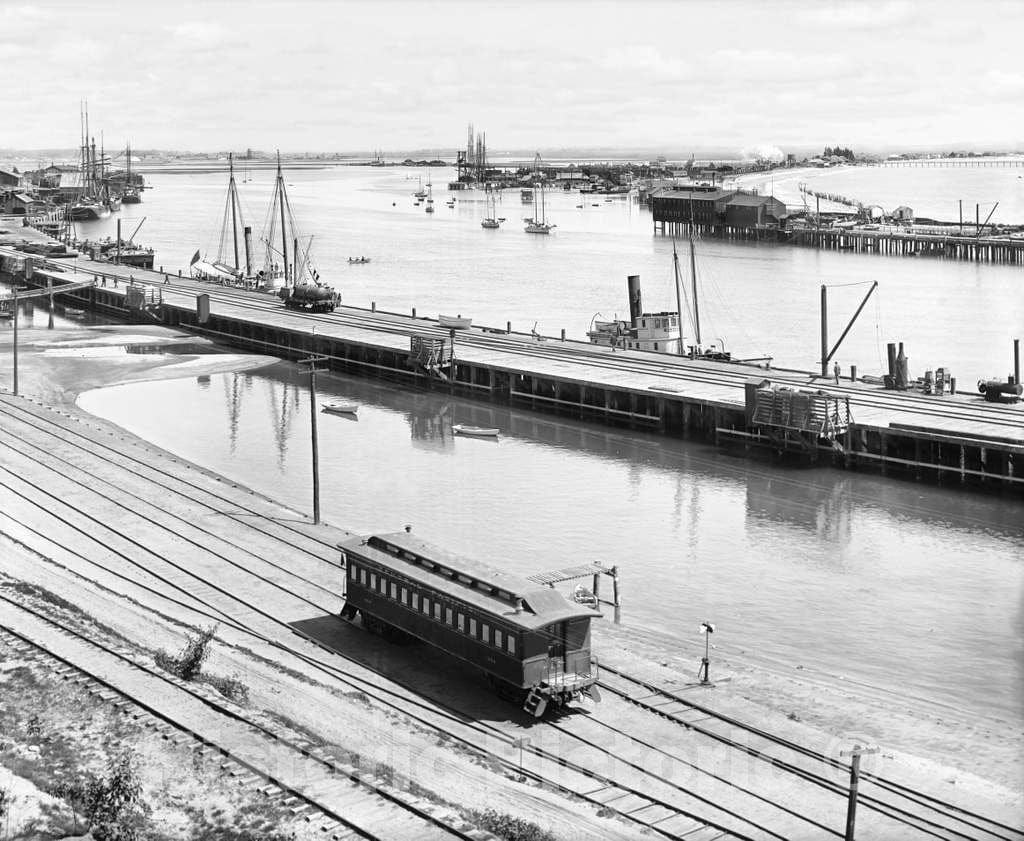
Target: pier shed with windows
744, 210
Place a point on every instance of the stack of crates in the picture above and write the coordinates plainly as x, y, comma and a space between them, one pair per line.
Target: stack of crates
429, 351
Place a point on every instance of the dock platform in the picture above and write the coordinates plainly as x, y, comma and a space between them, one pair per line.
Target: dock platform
953, 439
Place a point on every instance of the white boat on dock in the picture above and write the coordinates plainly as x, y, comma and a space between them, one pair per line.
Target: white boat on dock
477, 431
454, 322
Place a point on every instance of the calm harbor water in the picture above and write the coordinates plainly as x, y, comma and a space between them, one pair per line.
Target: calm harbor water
902, 586
757, 300
907, 587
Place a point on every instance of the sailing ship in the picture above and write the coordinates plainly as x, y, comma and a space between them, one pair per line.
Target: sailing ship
131, 193
420, 193
491, 220
220, 270
430, 196
538, 224
89, 204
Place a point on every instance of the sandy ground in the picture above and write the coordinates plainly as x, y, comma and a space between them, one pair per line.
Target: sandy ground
55, 366
951, 753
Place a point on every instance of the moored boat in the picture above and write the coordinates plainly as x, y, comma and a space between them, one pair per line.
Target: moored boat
477, 431
341, 408
539, 223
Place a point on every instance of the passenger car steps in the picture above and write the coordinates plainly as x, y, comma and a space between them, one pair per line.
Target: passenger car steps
536, 702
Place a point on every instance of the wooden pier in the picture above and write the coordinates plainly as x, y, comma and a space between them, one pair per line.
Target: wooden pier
957, 440
912, 244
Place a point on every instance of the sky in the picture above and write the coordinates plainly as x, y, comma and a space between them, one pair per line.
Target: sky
352, 76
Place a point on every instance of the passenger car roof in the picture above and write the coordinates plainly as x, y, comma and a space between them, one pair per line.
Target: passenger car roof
487, 587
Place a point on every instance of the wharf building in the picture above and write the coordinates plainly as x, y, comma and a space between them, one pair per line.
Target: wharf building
716, 211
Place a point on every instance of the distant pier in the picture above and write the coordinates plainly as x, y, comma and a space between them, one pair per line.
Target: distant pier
954, 162
911, 244
955, 440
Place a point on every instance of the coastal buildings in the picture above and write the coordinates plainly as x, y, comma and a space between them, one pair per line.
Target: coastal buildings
714, 209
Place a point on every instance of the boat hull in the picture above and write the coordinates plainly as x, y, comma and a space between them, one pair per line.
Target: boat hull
476, 431
86, 212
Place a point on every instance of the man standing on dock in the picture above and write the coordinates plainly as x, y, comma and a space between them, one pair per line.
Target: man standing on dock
835, 372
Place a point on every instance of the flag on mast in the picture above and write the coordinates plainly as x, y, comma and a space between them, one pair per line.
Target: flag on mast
195, 258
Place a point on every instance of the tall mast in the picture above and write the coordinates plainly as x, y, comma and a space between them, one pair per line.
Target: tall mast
233, 199
679, 296
85, 141
88, 159
693, 280
284, 232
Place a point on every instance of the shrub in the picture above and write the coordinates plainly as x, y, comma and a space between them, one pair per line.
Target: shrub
230, 687
510, 828
188, 663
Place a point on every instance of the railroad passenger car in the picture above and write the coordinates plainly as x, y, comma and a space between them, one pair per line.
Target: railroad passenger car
530, 641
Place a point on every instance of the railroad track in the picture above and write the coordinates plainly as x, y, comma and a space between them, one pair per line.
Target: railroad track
167, 580
627, 800
926, 814
681, 372
355, 805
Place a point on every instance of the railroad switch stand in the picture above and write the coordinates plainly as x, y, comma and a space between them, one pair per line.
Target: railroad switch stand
704, 672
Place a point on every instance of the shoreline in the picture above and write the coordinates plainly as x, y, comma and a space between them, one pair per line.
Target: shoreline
62, 385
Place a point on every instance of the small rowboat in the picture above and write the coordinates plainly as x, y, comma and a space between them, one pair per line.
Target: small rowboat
480, 431
453, 322
341, 408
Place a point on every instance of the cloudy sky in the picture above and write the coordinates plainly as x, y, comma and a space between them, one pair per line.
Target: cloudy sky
333, 75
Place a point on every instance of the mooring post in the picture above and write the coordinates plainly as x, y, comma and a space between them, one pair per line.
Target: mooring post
508, 326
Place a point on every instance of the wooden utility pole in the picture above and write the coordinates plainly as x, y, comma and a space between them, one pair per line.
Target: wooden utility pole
851, 808
14, 316
313, 361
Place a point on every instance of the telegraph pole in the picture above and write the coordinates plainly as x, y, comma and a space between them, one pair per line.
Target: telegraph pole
14, 316
851, 808
313, 361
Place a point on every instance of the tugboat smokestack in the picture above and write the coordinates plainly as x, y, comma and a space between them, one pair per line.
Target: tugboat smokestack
636, 307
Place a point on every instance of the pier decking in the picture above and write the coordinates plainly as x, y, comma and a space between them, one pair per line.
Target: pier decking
952, 439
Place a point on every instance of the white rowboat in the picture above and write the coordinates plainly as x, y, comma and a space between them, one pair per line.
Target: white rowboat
341, 408
480, 431
453, 322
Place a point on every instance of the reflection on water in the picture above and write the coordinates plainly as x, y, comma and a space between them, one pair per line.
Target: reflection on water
826, 512
882, 581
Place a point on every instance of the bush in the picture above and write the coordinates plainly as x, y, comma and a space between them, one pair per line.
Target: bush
510, 828
230, 687
111, 805
189, 662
